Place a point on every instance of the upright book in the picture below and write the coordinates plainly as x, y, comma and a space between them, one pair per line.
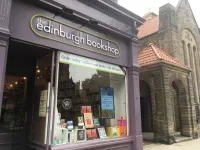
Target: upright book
88, 119
102, 133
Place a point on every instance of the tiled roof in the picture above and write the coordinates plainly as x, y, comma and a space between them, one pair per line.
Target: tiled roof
149, 27
152, 54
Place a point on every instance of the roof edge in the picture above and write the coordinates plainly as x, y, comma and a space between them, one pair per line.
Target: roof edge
165, 62
152, 46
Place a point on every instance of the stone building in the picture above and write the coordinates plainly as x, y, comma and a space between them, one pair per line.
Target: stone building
169, 58
116, 1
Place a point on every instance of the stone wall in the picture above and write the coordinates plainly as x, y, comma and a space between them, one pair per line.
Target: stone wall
160, 81
173, 21
144, 42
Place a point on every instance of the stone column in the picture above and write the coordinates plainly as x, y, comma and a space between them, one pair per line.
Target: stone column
161, 133
192, 102
5, 6
169, 102
134, 97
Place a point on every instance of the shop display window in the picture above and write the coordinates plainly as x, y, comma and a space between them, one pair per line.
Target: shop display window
91, 101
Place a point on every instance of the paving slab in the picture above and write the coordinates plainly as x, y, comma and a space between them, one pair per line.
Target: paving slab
189, 145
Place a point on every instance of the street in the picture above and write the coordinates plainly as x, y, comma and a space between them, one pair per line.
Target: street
189, 145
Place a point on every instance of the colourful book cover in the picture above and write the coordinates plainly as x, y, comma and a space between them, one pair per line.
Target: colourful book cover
94, 133
96, 122
80, 121
102, 133
88, 109
88, 119
123, 131
83, 109
89, 134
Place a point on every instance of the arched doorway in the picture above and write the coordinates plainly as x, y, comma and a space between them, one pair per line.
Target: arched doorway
146, 107
176, 108
180, 108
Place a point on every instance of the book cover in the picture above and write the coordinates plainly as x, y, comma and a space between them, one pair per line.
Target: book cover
94, 133
70, 125
88, 120
81, 135
83, 109
102, 133
80, 121
96, 122
112, 131
88, 109
89, 133
123, 131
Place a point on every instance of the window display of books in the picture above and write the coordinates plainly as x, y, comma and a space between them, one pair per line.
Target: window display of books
87, 127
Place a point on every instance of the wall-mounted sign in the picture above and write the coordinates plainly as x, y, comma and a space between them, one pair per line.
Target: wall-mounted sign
48, 28
107, 103
67, 58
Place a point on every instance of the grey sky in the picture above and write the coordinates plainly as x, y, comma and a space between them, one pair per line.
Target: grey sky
140, 7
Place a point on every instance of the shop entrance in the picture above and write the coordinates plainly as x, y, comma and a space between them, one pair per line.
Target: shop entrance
23, 112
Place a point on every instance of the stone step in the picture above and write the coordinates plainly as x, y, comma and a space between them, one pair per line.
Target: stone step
180, 139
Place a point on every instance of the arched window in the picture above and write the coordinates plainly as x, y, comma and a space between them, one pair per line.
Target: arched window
189, 55
191, 59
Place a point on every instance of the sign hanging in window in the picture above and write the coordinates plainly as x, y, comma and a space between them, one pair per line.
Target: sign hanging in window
67, 58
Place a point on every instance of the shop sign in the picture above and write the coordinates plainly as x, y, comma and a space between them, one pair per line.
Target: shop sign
67, 58
51, 29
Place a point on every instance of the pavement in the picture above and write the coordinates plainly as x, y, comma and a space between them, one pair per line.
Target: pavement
189, 145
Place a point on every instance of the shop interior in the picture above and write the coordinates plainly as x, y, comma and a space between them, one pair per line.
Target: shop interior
28, 71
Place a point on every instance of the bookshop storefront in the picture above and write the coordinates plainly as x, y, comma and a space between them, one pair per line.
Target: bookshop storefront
68, 82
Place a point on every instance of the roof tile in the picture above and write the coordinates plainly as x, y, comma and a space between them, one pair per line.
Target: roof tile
153, 54
149, 27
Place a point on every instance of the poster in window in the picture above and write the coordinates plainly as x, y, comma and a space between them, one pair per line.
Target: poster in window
43, 103
107, 103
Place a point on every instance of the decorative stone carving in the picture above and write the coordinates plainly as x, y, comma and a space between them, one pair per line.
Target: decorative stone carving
188, 37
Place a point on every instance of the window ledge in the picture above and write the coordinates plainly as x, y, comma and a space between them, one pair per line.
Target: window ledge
94, 143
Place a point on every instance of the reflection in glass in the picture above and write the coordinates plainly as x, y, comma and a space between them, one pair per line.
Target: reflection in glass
81, 86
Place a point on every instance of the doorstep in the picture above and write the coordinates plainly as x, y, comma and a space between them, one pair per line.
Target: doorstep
180, 138
148, 136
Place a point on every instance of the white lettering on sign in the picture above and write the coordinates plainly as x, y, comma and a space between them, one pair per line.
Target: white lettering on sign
57, 29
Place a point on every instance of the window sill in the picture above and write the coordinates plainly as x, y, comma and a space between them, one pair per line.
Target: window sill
94, 144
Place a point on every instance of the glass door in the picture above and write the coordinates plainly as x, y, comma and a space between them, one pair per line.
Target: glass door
40, 131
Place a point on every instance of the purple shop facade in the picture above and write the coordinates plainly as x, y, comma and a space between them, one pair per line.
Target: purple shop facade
98, 30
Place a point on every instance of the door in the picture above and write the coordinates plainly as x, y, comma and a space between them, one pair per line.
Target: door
40, 115
146, 115
40, 107
21, 93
